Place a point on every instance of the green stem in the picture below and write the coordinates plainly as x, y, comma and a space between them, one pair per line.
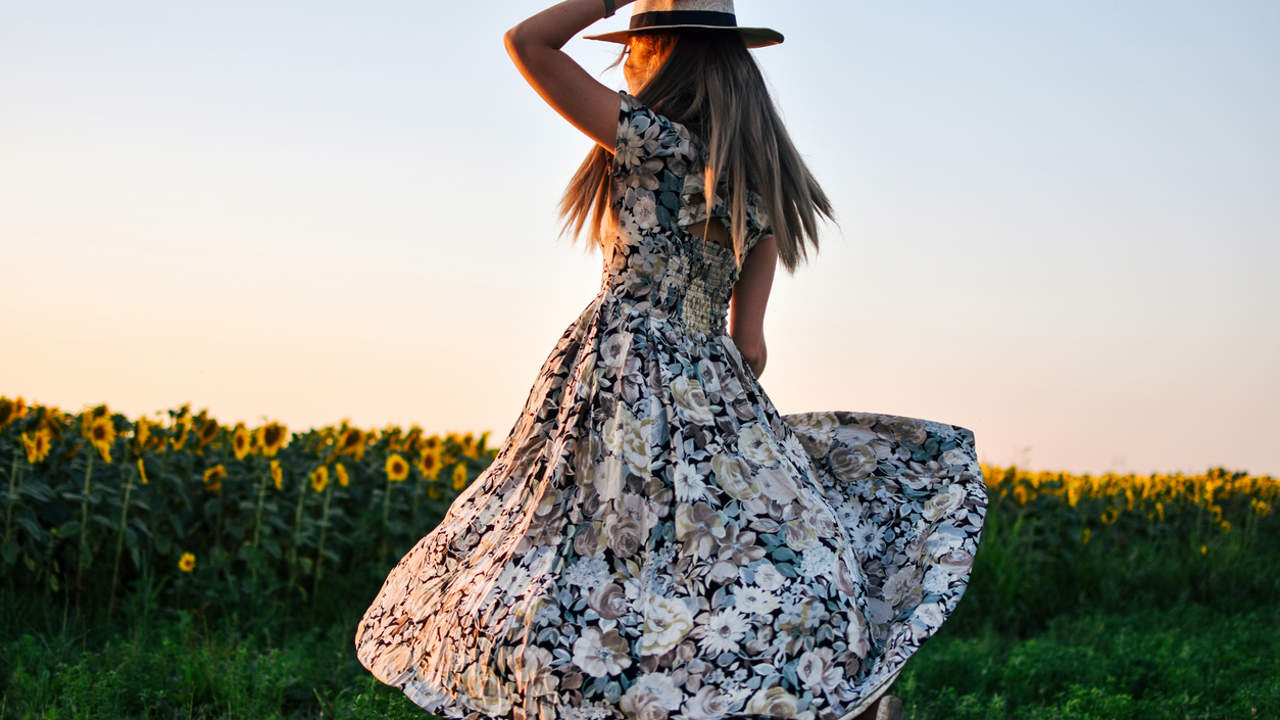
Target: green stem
217, 532
84, 518
386, 504
417, 490
257, 523
257, 519
386, 512
297, 525
124, 516
324, 516
13, 497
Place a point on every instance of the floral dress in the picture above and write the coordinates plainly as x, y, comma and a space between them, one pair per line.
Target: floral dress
653, 538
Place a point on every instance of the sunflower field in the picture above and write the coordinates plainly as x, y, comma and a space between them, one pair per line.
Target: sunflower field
206, 511
1057, 543
227, 514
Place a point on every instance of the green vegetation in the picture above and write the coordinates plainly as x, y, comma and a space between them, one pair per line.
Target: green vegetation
1189, 662
196, 570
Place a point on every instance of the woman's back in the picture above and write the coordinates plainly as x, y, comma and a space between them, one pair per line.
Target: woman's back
657, 196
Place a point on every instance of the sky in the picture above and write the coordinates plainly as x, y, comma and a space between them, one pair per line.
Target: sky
1057, 223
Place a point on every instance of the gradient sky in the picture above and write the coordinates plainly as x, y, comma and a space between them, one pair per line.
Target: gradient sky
1059, 223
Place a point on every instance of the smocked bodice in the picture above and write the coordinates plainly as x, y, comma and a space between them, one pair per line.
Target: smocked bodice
655, 263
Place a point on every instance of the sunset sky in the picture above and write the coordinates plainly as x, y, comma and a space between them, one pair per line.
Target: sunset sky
1059, 223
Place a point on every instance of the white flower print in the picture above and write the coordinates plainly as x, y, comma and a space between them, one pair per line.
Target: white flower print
768, 578
666, 622
868, 537
660, 687
849, 512
645, 212
818, 560
724, 630
937, 579
514, 579
688, 481
750, 599
614, 349
630, 146
754, 444
943, 502
691, 401
816, 669
600, 654
733, 477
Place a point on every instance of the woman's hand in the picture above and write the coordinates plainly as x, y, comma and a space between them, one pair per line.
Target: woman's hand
754, 353
534, 46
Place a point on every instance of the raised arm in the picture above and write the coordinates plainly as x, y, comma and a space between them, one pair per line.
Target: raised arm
747, 304
534, 46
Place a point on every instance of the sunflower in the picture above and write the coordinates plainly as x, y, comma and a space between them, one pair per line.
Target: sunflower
141, 434
240, 440
469, 448
413, 438
272, 437
351, 442
208, 431
102, 434
38, 446
448, 454
277, 475
429, 464
391, 434
320, 478
187, 563
8, 411
432, 443
459, 476
51, 419
397, 468
184, 427
87, 419
142, 472
213, 477
341, 471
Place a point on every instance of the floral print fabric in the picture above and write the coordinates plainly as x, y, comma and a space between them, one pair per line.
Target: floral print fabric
654, 539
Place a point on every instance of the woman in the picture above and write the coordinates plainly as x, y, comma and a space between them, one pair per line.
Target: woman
654, 539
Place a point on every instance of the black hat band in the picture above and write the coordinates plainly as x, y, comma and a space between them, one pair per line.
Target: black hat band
682, 17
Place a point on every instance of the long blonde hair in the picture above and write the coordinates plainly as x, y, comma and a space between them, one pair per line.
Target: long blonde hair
710, 83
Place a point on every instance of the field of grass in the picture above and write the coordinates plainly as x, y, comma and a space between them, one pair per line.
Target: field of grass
1188, 662
190, 569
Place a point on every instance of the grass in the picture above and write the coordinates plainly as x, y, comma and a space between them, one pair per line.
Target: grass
179, 668
1189, 662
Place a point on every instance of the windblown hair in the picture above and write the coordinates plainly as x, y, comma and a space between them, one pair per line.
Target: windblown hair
710, 83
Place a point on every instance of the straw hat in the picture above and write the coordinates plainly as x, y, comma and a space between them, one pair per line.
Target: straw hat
714, 14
